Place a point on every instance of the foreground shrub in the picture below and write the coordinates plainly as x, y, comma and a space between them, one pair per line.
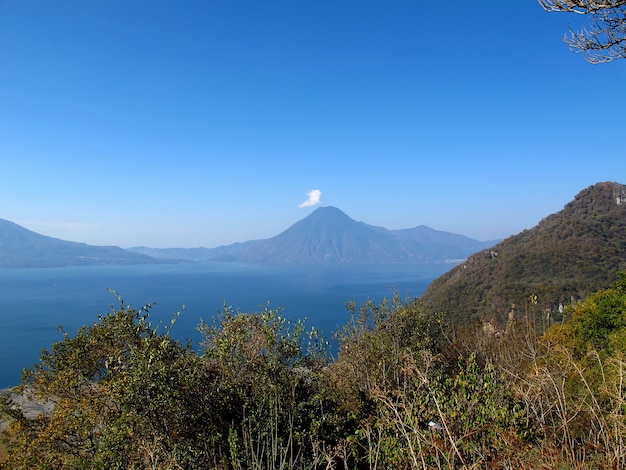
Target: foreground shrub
262, 393
119, 394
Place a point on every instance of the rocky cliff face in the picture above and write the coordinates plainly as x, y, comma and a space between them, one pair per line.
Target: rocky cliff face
620, 195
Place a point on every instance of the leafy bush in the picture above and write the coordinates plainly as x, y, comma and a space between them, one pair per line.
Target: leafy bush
263, 393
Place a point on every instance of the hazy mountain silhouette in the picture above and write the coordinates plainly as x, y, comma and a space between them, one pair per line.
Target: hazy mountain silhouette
567, 256
22, 248
194, 254
326, 236
329, 236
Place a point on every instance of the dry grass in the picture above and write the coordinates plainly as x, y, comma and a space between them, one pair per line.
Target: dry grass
3, 453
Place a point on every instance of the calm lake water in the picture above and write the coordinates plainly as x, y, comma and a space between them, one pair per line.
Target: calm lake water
35, 302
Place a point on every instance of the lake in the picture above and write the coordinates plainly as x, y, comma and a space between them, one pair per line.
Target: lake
35, 302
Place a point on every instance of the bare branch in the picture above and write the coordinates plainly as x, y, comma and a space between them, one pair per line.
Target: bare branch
604, 39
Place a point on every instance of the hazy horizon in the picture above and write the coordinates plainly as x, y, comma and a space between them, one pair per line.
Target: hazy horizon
206, 123
238, 241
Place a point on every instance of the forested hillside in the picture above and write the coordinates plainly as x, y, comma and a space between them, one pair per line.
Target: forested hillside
567, 256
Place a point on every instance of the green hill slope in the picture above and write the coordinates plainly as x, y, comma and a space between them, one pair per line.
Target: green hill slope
565, 257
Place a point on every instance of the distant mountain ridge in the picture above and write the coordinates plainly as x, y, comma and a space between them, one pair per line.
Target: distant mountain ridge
23, 248
326, 236
329, 236
566, 257
194, 254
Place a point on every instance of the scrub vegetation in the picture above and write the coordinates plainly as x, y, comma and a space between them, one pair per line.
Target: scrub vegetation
262, 392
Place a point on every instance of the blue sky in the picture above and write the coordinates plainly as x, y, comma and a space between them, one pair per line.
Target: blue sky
201, 123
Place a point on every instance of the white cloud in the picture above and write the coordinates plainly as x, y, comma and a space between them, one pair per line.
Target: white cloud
315, 199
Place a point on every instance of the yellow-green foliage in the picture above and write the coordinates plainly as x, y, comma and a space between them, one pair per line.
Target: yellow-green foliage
596, 323
405, 391
576, 384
